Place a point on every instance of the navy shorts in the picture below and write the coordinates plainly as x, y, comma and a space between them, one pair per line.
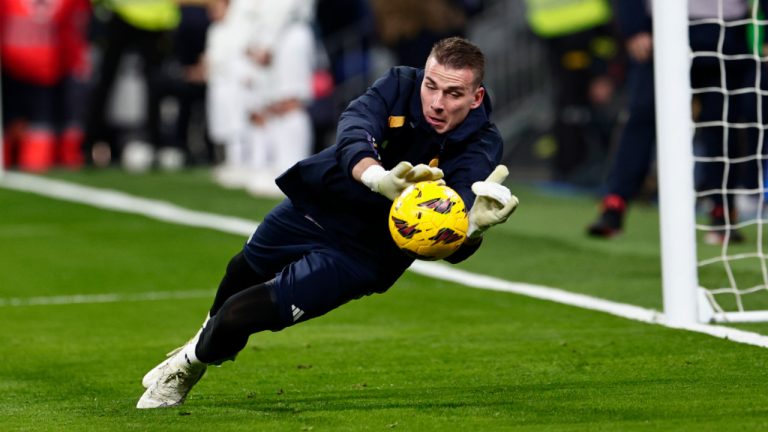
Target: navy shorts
313, 271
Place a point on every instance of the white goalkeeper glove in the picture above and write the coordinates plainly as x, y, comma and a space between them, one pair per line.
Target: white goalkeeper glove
392, 183
493, 203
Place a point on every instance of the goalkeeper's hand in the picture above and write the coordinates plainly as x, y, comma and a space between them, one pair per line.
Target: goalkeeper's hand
493, 203
392, 183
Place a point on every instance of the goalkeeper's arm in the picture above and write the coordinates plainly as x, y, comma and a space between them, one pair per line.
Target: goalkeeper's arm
391, 183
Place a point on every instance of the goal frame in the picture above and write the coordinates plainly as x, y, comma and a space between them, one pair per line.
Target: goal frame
685, 301
674, 138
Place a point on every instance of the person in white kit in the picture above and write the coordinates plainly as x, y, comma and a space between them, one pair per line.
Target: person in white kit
261, 64
282, 48
227, 73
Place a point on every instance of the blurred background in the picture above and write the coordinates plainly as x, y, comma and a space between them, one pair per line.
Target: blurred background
247, 87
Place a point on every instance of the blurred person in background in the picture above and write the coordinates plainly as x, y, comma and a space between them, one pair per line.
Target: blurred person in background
225, 70
633, 158
261, 63
43, 52
185, 84
409, 28
346, 30
144, 27
282, 47
581, 45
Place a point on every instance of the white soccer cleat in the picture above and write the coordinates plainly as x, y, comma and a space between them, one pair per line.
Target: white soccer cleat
154, 374
176, 377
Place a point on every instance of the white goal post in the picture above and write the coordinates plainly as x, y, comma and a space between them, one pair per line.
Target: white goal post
705, 283
675, 160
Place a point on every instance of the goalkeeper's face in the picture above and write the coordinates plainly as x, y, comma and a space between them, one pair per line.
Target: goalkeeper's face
447, 95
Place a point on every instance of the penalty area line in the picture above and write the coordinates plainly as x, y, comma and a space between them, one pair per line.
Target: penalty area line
164, 211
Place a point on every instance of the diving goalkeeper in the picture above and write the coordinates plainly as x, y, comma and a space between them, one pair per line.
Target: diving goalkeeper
328, 242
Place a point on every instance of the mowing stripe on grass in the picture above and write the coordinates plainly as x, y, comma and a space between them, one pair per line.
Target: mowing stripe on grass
119, 201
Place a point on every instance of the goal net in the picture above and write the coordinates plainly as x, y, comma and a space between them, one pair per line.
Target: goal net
722, 112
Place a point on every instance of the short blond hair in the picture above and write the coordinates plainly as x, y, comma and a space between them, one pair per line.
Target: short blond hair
459, 53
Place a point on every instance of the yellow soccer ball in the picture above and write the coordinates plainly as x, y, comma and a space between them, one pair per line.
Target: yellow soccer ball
428, 221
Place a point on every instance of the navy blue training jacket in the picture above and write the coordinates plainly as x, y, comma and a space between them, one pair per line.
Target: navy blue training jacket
386, 123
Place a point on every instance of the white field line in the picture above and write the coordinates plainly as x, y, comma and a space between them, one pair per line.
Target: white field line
118, 201
105, 298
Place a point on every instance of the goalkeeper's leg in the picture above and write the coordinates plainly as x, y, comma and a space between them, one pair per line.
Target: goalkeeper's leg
239, 276
321, 280
223, 336
250, 311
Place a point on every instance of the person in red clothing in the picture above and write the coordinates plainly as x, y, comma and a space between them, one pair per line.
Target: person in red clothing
43, 48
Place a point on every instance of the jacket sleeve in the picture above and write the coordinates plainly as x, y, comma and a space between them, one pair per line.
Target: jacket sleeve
363, 123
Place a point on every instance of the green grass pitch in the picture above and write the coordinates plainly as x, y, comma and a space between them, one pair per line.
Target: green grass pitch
426, 356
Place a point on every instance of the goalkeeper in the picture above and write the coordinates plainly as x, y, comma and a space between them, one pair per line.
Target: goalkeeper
328, 242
